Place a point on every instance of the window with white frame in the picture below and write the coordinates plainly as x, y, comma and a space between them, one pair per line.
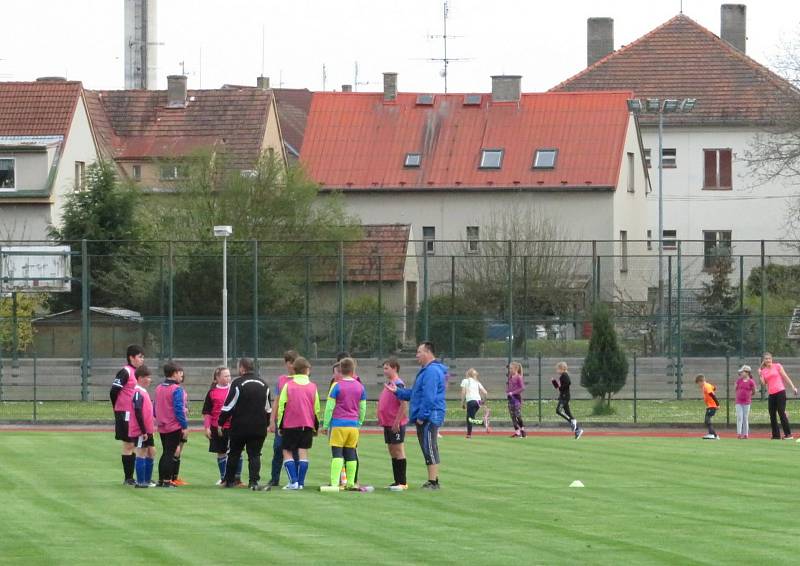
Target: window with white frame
413, 160
545, 158
80, 175
669, 239
669, 158
491, 158
631, 173
473, 237
7, 176
718, 169
137, 172
716, 245
172, 172
623, 244
429, 239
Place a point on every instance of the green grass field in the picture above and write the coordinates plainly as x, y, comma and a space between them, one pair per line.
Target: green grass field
648, 411
503, 501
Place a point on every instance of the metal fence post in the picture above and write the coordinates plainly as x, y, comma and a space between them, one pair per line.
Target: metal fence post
525, 307
85, 321
453, 305
763, 299
35, 393
540, 386
635, 392
340, 321
594, 272
170, 300
380, 308
510, 283
741, 306
307, 309
255, 301
679, 349
426, 313
727, 390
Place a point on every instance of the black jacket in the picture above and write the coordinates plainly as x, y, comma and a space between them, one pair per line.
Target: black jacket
248, 406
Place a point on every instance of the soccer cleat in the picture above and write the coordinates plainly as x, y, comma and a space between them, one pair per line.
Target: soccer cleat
516, 435
431, 485
578, 433
228, 484
151, 484
165, 484
789, 437
292, 486
710, 437
468, 436
476, 421
141, 485
219, 481
258, 487
523, 434
398, 487
129, 482
179, 481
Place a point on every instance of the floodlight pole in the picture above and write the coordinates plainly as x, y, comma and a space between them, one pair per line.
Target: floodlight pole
225, 301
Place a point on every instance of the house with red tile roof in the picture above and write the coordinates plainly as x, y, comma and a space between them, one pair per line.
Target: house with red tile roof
46, 143
382, 264
710, 196
149, 133
451, 165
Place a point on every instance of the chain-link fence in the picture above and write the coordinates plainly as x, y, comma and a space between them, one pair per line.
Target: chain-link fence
473, 299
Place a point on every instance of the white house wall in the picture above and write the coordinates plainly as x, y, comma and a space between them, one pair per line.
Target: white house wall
80, 146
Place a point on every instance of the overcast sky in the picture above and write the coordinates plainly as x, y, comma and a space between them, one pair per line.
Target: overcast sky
543, 41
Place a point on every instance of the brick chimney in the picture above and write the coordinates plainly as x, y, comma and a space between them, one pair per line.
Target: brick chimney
506, 88
176, 91
389, 87
262, 82
733, 27
347, 88
599, 39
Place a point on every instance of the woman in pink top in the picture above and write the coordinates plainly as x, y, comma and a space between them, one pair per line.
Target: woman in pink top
745, 387
773, 376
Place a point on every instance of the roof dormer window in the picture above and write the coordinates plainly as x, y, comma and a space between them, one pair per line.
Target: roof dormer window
413, 160
424, 100
491, 158
545, 159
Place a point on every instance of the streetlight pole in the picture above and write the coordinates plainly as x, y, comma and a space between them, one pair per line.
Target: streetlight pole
661, 107
223, 232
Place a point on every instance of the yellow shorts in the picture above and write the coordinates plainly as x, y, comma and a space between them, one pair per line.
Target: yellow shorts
344, 436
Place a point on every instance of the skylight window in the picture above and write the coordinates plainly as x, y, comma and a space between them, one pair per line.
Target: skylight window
413, 160
424, 100
491, 158
472, 100
545, 159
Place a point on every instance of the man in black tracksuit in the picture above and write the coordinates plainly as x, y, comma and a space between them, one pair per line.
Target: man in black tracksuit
248, 406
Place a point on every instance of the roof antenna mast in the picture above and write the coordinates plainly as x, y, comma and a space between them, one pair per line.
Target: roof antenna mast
445, 60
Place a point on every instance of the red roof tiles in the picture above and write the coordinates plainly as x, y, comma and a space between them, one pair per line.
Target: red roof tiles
136, 124
379, 256
38, 108
357, 141
682, 59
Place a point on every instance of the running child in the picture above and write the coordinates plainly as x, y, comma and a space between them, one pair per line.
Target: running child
141, 427
345, 411
212, 407
712, 404
121, 394
473, 395
298, 421
393, 417
171, 421
514, 388
745, 387
562, 408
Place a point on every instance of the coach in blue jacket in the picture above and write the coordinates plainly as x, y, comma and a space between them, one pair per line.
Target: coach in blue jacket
427, 407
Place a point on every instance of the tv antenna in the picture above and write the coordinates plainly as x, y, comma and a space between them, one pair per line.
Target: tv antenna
445, 60
324, 76
356, 82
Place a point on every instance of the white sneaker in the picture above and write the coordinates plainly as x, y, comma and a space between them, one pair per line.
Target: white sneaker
292, 486
219, 482
711, 437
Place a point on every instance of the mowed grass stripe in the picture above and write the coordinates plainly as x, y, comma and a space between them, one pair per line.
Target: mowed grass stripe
646, 500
